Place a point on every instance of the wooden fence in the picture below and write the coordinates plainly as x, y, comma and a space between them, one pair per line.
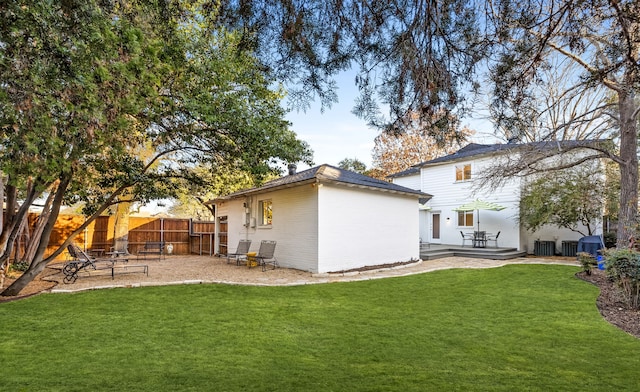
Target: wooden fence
186, 236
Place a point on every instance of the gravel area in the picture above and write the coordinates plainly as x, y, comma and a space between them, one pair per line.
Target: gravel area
207, 269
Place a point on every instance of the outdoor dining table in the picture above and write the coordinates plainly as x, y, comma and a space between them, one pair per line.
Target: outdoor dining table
480, 239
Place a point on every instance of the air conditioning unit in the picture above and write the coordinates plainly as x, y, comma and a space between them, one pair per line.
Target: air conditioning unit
544, 248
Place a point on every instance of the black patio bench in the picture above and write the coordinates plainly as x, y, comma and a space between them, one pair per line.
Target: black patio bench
153, 249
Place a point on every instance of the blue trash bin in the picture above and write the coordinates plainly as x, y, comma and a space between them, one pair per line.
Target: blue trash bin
600, 261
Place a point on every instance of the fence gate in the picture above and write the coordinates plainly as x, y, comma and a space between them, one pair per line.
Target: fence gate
222, 235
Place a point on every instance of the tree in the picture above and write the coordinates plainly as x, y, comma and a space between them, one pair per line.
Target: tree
413, 56
354, 165
395, 152
555, 110
88, 85
212, 181
564, 199
599, 37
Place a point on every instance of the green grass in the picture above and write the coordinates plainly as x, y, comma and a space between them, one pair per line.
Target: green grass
516, 328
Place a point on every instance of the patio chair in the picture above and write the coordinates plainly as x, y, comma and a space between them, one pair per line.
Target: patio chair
466, 237
493, 238
240, 253
120, 249
479, 239
265, 255
81, 260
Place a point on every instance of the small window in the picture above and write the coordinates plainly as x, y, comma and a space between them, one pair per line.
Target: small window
266, 212
465, 218
463, 172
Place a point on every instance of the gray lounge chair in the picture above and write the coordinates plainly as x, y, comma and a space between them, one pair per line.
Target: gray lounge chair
265, 255
240, 253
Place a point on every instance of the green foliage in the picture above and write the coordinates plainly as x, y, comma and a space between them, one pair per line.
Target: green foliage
409, 59
130, 97
19, 266
623, 266
210, 182
565, 199
609, 238
353, 165
587, 261
122, 100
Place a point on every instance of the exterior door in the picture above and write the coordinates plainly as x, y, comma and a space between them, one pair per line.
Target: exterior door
435, 227
222, 235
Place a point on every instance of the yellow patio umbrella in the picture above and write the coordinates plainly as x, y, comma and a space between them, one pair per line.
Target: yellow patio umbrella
478, 205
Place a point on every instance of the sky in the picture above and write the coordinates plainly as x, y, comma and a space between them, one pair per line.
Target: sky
336, 133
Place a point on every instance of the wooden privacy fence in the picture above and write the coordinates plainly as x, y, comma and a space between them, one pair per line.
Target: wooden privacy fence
186, 236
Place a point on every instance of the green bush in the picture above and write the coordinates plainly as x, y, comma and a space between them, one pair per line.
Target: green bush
587, 261
610, 239
623, 266
19, 266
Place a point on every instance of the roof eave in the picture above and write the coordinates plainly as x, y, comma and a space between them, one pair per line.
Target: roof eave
416, 194
254, 191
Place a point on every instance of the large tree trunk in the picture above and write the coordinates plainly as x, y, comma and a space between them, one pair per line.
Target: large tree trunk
627, 222
34, 240
121, 225
38, 263
12, 229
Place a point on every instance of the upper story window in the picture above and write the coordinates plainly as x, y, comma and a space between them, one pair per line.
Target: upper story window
463, 172
265, 209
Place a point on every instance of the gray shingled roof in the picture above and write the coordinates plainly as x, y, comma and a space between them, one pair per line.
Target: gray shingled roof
328, 173
475, 150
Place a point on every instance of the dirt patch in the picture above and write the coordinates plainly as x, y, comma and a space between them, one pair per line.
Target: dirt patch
34, 287
611, 303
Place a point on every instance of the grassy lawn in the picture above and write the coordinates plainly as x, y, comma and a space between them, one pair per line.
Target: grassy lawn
516, 328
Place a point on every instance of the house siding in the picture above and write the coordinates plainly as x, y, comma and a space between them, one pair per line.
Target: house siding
294, 226
439, 181
412, 181
448, 194
360, 228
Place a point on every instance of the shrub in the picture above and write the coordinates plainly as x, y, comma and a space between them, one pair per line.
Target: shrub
610, 239
623, 266
587, 261
19, 266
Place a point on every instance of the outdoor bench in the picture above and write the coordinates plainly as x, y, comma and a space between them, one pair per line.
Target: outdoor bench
152, 248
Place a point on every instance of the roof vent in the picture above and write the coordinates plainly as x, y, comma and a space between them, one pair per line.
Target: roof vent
292, 168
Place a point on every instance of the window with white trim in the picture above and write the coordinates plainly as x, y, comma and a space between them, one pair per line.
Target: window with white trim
463, 172
265, 210
465, 218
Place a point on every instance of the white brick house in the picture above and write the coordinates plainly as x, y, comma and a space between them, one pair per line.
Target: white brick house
325, 219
